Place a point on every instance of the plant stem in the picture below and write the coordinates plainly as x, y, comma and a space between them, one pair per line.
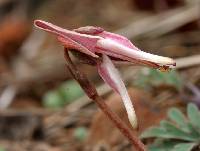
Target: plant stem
90, 90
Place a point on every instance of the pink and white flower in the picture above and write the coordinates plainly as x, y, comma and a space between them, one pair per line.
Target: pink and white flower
98, 43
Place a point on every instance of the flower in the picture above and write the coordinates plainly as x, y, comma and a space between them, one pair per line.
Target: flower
98, 43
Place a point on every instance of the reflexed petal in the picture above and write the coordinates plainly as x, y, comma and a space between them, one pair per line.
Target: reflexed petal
85, 43
112, 77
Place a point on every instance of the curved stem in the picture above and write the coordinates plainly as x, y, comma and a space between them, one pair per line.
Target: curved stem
90, 90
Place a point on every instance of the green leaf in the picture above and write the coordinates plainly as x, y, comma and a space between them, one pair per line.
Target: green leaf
52, 99
176, 133
162, 145
169, 131
2, 149
194, 131
193, 115
178, 117
172, 78
154, 132
70, 91
151, 77
80, 133
66, 93
183, 147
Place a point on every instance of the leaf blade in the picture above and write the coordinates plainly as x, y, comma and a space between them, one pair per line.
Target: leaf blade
193, 115
184, 147
153, 132
179, 118
175, 132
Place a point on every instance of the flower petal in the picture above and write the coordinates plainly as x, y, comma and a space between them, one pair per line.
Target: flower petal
134, 55
71, 44
85, 43
112, 77
118, 38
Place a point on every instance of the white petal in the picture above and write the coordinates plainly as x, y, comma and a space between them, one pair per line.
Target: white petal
112, 77
135, 54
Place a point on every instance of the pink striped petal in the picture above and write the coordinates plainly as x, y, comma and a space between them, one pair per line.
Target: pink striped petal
111, 76
133, 55
85, 43
71, 44
118, 38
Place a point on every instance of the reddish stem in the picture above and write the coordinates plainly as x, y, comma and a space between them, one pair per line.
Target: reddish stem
90, 90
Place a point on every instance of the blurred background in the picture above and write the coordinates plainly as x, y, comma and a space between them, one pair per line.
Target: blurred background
43, 109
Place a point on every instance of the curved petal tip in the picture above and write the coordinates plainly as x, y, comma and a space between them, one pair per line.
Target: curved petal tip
133, 120
111, 76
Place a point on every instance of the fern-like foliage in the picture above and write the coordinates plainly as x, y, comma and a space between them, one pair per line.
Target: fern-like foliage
179, 133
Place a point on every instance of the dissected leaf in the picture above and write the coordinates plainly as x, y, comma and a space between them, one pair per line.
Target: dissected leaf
172, 78
193, 115
179, 134
167, 130
162, 145
178, 117
155, 132
175, 132
184, 147
194, 131
152, 77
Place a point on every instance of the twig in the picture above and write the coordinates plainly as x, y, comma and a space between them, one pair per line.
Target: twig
188, 61
101, 89
7, 96
34, 111
160, 24
90, 90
